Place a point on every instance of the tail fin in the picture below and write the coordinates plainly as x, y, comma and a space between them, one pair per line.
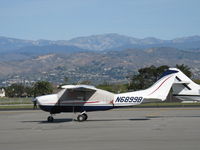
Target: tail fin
160, 89
183, 85
157, 92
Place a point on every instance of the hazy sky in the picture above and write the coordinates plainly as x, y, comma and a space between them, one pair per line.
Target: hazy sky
65, 19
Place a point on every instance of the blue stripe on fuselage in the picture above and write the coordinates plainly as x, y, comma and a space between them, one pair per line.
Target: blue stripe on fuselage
59, 109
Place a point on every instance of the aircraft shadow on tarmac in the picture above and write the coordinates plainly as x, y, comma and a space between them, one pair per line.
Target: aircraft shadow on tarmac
134, 119
92, 120
55, 121
172, 117
63, 120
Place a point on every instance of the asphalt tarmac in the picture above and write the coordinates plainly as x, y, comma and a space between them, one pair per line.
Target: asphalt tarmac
122, 129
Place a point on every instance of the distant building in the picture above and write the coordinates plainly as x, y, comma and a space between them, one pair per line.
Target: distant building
2, 93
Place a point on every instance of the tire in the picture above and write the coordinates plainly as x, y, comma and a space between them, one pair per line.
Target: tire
50, 119
86, 116
81, 118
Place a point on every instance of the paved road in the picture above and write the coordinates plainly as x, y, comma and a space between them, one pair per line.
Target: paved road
124, 129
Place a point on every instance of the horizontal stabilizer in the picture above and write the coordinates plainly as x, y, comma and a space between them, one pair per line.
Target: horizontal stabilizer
181, 82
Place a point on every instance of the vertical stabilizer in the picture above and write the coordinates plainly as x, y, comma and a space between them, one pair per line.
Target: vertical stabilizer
161, 88
157, 92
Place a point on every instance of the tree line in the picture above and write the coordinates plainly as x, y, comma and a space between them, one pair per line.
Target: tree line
142, 80
20, 90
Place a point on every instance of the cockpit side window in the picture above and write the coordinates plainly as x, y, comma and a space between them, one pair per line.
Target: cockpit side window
76, 95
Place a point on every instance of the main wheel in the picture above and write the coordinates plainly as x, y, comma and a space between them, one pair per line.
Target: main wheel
50, 119
86, 116
81, 118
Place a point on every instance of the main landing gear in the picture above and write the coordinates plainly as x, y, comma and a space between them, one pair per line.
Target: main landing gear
80, 118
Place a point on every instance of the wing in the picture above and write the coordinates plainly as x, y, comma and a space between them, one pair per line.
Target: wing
80, 87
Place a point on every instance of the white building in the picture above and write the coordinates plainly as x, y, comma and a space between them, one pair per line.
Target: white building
2, 93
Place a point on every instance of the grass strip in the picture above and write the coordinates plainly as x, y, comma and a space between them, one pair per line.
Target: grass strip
10, 101
14, 107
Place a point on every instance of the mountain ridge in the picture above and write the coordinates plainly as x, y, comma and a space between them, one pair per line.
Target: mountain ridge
103, 42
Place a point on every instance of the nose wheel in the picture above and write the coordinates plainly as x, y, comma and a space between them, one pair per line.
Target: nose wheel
50, 119
82, 117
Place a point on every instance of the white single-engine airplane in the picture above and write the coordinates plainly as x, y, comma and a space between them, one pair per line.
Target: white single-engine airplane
84, 98
184, 88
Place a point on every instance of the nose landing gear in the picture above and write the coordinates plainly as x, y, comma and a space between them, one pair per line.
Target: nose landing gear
50, 119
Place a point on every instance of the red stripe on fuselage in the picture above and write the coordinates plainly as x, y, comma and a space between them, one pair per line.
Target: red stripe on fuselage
75, 102
80, 102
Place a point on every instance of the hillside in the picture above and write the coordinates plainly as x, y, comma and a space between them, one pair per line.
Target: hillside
112, 66
98, 58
